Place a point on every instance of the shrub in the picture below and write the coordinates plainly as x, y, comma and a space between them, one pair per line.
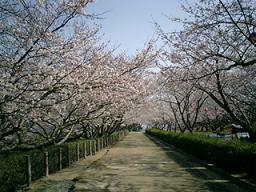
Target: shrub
12, 171
233, 155
13, 166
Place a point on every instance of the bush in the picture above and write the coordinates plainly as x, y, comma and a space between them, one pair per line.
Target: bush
13, 166
134, 127
233, 155
12, 171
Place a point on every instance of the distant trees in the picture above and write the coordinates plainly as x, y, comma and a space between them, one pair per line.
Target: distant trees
58, 79
185, 102
215, 54
134, 127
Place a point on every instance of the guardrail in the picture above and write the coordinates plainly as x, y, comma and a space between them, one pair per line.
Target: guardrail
20, 169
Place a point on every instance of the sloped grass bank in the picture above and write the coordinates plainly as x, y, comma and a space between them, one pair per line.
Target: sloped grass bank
233, 156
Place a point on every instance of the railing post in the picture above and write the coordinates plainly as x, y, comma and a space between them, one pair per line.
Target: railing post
85, 149
46, 163
99, 144
77, 152
29, 175
68, 153
102, 142
60, 158
90, 147
94, 147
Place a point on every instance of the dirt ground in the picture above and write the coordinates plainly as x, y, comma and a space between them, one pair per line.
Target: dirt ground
137, 164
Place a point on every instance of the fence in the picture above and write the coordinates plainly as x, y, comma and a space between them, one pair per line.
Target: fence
19, 169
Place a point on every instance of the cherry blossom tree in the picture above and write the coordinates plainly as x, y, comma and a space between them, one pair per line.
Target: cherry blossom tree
31, 34
216, 51
59, 80
184, 99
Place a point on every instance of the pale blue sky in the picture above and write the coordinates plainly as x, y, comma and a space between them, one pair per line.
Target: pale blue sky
129, 23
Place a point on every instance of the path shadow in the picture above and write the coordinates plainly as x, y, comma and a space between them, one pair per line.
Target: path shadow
215, 179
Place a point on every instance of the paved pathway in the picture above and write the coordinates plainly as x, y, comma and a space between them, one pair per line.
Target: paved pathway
137, 164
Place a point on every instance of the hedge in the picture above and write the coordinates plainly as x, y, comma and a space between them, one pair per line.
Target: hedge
13, 166
232, 155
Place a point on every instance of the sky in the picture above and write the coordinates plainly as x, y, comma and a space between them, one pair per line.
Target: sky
128, 24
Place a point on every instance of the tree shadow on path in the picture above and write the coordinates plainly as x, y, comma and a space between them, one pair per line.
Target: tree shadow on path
214, 178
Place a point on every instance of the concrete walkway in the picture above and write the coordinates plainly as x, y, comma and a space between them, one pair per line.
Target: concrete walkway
138, 164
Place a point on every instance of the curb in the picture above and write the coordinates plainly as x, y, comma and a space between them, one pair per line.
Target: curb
239, 182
